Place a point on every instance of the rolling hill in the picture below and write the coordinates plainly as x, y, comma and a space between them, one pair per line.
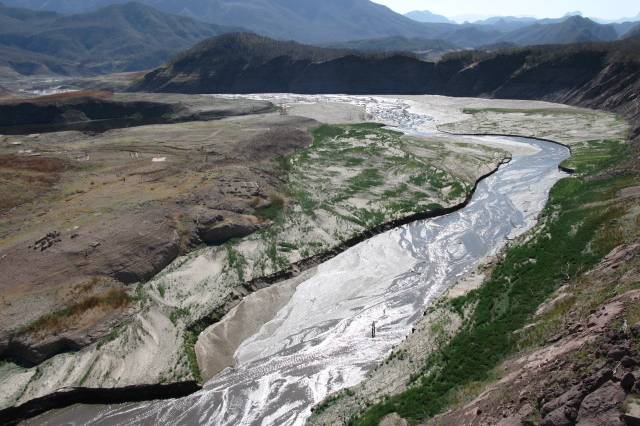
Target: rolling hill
123, 37
427, 16
574, 29
422, 48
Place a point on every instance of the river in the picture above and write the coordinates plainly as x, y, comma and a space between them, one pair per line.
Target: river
321, 341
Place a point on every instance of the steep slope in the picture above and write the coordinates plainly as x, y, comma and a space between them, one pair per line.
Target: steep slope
634, 32
14, 19
427, 16
422, 48
622, 28
605, 75
575, 29
245, 63
124, 37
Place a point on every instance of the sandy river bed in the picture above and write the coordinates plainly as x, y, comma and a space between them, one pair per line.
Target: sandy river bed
320, 340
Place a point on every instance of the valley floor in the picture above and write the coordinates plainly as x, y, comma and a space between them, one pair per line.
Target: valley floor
305, 202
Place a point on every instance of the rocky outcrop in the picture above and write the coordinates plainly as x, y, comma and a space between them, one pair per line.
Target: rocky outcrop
631, 414
218, 229
586, 376
602, 407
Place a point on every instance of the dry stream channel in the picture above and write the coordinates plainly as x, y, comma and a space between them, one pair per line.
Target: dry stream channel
321, 340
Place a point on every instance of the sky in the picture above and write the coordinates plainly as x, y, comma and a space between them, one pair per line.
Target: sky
605, 9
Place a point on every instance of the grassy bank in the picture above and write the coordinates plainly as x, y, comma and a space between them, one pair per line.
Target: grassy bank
350, 180
578, 227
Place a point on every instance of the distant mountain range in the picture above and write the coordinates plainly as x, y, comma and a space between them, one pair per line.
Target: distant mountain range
575, 29
618, 21
309, 21
313, 21
427, 16
132, 36
116, 38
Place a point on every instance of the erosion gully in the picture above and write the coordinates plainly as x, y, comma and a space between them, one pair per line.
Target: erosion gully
321, 341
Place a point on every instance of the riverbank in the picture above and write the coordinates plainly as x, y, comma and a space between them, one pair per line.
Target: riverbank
455, 353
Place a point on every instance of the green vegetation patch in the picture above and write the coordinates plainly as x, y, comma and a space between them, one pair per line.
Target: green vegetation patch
189, 350
372, 165
572, 237
592, 156
352, 178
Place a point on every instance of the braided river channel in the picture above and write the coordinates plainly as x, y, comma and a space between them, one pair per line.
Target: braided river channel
321, 341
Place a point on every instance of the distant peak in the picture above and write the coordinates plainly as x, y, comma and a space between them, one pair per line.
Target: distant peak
427, 16
578, 18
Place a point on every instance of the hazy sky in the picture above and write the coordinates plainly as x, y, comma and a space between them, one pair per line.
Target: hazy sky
606, 9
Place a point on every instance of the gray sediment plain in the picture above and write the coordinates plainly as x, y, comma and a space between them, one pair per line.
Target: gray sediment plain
139, 345
379, 380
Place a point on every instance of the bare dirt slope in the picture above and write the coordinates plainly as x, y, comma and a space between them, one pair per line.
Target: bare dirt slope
84, 214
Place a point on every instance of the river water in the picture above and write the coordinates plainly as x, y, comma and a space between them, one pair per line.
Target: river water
321, 342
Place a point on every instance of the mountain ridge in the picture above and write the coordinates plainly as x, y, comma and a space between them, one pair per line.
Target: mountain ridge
124, 37
574, 29
428, 16
578, 74
329, 21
